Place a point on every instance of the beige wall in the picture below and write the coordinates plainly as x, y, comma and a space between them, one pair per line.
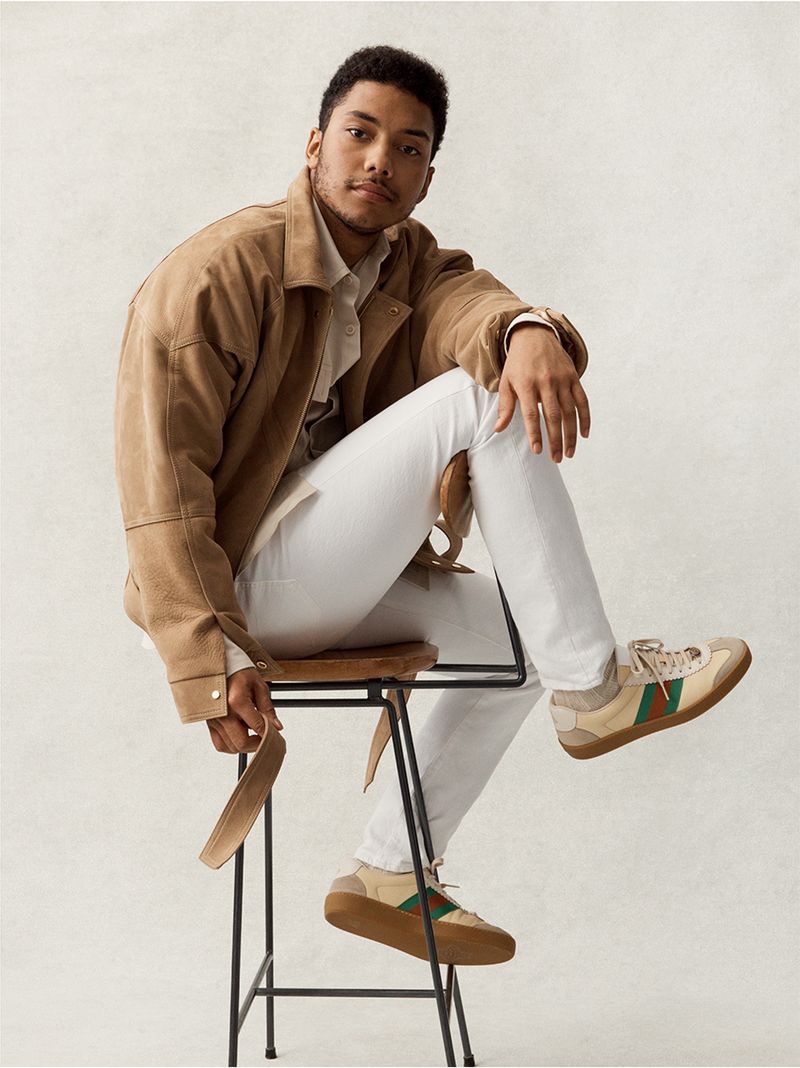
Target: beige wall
633, 165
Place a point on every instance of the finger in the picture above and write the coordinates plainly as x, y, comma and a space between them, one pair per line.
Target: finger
582, 402
570, 422
505, 404
529, 406
236, 735
242, 704
218, 738
552, 417
265, 705
241, 715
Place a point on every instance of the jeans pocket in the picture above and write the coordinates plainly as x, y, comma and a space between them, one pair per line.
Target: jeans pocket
282, 615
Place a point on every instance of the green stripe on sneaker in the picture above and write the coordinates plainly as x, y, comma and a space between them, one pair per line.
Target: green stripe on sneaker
645, 703
410, 902
438, 907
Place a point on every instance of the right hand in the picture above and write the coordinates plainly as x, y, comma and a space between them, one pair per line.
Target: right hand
249, 705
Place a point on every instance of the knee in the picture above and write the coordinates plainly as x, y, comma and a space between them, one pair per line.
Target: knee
461, 382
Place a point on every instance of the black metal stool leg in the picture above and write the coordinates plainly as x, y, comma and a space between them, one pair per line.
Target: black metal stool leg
427, 923
236, 949
269, 946
452, 978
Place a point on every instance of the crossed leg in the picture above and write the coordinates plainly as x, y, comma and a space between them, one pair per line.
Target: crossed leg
329, 577
335, 555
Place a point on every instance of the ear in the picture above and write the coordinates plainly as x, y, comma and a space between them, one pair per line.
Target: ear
313, 147
426, 186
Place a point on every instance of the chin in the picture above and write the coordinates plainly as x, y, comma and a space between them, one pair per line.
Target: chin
363, 221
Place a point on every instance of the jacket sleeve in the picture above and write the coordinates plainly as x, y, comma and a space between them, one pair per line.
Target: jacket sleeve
461, 315
171, 405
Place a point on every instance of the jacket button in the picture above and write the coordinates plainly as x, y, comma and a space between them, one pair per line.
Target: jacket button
393, 310
260, 664
316, 313
215, 694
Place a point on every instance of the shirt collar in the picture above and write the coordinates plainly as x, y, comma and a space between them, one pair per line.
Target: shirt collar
332, 263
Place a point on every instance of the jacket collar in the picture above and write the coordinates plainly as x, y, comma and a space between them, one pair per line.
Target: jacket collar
303, 255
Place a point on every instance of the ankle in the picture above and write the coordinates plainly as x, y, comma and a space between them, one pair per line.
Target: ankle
385, 871
594, 698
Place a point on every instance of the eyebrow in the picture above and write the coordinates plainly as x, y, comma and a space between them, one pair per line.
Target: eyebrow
371, 118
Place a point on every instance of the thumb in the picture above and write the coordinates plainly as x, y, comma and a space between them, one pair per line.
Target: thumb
505, 404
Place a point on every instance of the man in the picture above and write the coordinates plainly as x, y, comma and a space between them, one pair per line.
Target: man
294, 380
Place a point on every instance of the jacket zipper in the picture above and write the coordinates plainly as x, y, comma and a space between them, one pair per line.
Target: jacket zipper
255, 526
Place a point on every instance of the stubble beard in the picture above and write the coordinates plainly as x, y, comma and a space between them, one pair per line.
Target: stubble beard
323, 186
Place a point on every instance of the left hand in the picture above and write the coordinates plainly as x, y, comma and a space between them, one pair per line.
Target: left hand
537, 371
249, 705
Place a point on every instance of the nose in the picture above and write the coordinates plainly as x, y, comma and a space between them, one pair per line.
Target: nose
378, 159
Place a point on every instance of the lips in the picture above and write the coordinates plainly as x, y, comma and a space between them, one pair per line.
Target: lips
370, 191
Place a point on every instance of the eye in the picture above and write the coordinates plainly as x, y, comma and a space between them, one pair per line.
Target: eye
416, 151
355, 129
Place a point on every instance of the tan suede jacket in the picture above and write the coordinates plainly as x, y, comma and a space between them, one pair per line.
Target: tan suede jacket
219, 357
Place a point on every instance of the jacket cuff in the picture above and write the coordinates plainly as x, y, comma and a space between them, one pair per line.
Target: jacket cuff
528, 317
571, 341
205, 697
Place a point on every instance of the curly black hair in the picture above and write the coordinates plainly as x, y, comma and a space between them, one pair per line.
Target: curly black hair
391, 66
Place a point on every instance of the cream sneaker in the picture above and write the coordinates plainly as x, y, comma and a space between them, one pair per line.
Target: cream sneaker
659, 688
385, 907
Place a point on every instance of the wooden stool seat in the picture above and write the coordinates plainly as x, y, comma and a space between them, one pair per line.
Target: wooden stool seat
373, 662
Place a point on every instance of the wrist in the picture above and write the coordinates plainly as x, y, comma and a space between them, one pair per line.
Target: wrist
525, 335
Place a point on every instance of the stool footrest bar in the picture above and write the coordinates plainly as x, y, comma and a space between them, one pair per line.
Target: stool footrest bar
344, 992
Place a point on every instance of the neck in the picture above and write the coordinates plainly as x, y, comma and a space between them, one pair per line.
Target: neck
351, 245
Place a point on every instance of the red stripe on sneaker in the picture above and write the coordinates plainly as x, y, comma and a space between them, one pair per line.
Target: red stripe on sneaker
659, 702
435, 901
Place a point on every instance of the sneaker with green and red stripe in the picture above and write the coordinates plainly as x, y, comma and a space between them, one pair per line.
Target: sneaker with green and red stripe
385, 906
659, 688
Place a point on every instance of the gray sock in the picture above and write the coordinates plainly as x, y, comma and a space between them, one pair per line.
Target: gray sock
591, 700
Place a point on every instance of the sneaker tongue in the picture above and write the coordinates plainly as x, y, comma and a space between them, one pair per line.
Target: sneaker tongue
623, 655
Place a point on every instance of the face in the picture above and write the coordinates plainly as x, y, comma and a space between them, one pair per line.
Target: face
386, 145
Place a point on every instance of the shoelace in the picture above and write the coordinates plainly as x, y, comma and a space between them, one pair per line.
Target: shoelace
649, 654
437, 863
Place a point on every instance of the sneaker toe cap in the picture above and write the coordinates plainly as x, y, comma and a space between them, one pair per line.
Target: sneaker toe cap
736, 649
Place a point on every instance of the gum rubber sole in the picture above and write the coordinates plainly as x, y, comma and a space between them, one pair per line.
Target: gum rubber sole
630, 734
455, 943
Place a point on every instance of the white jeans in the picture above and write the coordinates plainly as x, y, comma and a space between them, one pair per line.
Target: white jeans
328, 578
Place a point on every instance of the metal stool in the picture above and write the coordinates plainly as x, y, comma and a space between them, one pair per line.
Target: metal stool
373, 670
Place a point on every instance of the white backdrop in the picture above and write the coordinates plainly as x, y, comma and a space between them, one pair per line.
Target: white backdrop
633, 165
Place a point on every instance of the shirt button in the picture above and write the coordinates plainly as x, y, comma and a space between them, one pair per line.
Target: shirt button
349, 329
261, 663
215, 694
393, 310
349, 279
